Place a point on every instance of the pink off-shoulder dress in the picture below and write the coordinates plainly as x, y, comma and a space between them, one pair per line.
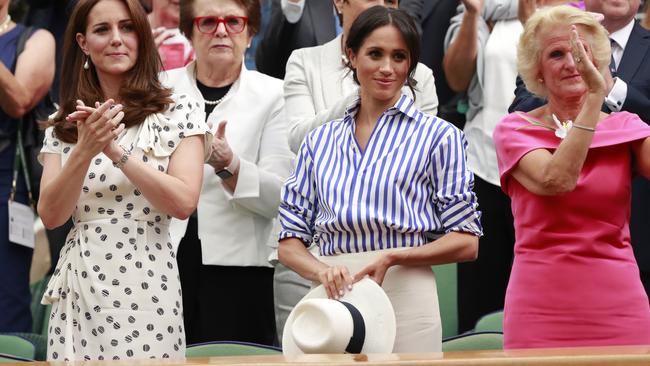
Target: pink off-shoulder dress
574, 280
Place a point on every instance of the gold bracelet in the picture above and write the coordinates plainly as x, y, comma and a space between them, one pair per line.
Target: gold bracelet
590, 129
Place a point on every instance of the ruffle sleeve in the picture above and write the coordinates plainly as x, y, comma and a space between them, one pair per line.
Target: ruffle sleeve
163, 132
514, 137
51, 144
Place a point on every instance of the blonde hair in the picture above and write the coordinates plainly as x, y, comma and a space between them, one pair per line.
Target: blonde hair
545, 19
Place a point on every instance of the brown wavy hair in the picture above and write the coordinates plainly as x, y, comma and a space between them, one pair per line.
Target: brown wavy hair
141, 93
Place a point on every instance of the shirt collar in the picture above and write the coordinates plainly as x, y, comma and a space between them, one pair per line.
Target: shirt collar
404, 105
622, 35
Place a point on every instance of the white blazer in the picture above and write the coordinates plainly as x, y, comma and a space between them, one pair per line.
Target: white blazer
318, 88
234, 227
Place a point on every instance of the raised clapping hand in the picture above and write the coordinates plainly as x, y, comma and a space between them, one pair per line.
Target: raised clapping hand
590, 75
161, 34
526, 9
473, 6
221, 154
336, 280
97, 127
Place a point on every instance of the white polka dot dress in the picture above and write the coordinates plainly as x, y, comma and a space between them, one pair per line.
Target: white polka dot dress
116, 293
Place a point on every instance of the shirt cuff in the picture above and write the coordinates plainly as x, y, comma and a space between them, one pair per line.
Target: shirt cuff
617, 95
248, 181
292, 10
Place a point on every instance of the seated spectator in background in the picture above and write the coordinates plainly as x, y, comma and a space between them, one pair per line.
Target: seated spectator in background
398, 175
223, 248
24, 80
628, 89
123, 155
480, 60
574, 280
174, 49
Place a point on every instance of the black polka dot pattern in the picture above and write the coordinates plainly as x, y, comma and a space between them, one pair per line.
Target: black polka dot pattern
115, 292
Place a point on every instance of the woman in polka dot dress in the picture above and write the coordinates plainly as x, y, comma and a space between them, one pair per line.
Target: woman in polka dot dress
121, 169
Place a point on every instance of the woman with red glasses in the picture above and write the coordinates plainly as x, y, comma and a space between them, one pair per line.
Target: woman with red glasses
225, 275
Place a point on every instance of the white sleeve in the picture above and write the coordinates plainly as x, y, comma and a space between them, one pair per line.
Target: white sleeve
616, 97
259, 182
299, 103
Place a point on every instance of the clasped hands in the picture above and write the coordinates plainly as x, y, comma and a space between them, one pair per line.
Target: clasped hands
337, 279
98, 128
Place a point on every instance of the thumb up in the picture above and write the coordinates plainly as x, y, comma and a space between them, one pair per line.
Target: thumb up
221, 154
221, 130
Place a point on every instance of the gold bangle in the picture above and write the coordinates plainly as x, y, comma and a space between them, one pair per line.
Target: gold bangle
590, 129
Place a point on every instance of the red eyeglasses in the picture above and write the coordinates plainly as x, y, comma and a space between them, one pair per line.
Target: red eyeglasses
209, 24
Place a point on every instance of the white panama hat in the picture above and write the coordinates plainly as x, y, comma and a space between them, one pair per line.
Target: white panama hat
362, 321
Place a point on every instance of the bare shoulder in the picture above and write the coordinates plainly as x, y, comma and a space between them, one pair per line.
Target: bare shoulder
40, 38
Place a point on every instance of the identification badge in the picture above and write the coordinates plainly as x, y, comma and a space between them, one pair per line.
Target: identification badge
21, 224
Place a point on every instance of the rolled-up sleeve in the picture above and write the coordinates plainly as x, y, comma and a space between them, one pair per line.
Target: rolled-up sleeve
298, 208
456, 203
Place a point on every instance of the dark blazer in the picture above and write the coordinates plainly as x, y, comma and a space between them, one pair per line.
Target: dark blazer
315, 27
634, 69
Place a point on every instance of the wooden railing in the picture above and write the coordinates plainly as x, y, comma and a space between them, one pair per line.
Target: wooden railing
593, 356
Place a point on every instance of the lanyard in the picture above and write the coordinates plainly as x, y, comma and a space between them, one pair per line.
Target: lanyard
19, 159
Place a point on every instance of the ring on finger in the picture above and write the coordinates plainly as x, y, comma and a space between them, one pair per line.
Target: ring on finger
578, 59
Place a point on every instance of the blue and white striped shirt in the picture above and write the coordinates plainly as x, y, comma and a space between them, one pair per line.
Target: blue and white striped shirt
411, 179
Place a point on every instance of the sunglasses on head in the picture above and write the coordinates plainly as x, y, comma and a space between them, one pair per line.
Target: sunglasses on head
209, 24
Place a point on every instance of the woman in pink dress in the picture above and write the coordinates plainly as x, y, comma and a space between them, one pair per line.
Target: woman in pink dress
574, 280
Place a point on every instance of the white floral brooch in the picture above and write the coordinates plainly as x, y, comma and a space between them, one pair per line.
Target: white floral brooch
562, 127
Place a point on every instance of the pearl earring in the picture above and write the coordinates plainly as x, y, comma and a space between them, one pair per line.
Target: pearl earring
86, 64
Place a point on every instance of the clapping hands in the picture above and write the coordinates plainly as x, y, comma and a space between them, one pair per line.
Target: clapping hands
595, 81
473, 6
221, 154
161, 34
98, 127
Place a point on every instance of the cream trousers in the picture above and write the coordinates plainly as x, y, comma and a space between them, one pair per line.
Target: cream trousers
413, 293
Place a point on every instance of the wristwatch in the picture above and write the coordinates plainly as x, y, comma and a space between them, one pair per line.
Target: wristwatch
224, 173
229, 171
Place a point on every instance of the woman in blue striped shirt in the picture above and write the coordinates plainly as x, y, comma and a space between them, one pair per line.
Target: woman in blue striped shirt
374, 188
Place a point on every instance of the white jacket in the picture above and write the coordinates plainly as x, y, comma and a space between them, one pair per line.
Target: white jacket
318, 88
234, 228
